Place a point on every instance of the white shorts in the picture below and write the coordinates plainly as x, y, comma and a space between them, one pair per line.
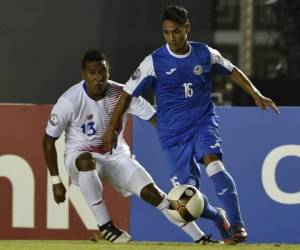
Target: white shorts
120, 169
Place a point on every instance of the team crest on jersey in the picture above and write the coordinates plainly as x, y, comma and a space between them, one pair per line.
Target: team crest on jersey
53, 120
197, 70
136, 74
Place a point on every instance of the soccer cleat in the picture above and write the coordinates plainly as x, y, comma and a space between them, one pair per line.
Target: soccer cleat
238, 234
206, 239
223, 225
114, 234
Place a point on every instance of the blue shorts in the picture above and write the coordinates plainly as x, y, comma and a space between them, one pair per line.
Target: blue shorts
185, 158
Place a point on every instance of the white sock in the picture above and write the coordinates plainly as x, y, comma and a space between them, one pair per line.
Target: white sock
191, 228
92, 190
214, 168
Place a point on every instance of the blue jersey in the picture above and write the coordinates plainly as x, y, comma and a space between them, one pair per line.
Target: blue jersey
182, 86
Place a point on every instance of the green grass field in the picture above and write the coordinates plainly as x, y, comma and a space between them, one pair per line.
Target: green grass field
86, 245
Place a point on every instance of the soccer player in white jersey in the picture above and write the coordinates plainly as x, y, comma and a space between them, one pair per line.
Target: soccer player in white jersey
83, 112
187, 124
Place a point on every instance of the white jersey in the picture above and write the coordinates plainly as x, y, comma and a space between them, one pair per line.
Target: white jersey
85, 120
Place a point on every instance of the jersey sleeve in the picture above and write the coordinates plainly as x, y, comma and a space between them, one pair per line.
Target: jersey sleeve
59, 118
143, 76
220, 64
141, 108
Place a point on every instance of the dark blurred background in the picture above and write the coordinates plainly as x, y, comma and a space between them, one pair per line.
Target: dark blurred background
42, 42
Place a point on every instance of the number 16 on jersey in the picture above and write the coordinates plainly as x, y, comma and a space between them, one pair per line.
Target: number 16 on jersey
188, 89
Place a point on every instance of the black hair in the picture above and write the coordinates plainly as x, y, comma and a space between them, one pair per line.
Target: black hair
92, 55
175, 13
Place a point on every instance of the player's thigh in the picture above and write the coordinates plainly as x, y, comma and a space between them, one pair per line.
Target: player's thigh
208, 142
139, 179
183, 168
126, 174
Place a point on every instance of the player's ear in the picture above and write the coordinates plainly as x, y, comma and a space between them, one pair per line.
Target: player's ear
107, 66
188, 27
108, 69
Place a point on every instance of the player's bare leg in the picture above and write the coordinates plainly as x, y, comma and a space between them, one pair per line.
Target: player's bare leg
92, 190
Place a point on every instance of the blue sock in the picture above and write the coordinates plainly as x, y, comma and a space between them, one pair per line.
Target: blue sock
209, 211
227, 194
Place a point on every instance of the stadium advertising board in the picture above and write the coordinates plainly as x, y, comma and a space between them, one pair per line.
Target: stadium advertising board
261, 150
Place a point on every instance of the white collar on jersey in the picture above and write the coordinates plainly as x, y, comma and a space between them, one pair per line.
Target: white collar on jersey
180, 56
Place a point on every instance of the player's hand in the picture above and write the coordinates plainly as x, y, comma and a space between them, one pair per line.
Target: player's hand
59, 192
109, 140
265, 103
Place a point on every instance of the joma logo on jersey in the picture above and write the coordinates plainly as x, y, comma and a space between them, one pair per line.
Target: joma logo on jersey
171, 71
217, 144
197, 70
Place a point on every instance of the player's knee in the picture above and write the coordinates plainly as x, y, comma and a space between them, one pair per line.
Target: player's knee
85, 162
151, 194
210, 158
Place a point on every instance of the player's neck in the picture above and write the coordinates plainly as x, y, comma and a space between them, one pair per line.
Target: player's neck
183, 50
98, 96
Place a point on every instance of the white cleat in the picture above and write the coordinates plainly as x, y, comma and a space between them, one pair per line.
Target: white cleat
123, 238
114, 234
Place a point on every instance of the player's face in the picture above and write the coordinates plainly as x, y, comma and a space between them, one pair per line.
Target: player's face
96, 75
176, 36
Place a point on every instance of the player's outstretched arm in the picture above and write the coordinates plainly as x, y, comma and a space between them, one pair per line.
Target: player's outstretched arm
109, 138
50, 154
239, 78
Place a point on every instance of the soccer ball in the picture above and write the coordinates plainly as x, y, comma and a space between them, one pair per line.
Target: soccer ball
186, 203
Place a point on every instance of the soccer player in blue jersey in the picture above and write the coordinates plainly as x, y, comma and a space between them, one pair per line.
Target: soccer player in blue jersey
187, 124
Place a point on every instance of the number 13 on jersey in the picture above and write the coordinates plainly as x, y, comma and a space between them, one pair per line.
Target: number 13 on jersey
88, 129
188, 89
